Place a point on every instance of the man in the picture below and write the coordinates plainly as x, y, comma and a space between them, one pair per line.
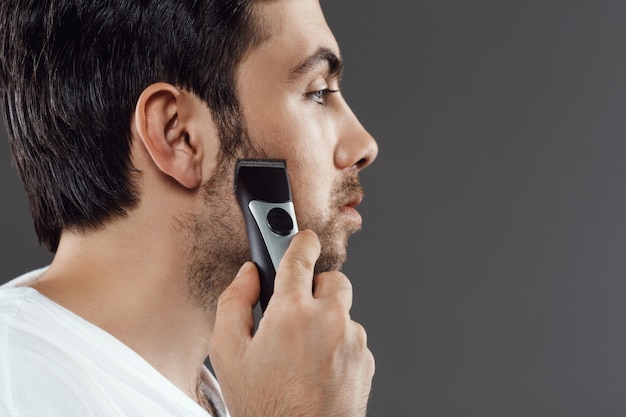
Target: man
126, 118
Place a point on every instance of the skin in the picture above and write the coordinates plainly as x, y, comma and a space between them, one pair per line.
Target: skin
319, 136
156, 288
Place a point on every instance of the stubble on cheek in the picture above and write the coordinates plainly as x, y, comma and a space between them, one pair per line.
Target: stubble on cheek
216, 242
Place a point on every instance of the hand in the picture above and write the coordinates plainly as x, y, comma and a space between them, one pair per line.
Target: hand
307, 358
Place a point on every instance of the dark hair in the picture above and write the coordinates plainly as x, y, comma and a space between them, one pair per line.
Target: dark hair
71, 72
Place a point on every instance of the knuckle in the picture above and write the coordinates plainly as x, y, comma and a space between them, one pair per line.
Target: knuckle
342, 282
371, 362
299, 262
228, 296
336, 312
338, 280
360, 335
364, 353
371, 359
334, 318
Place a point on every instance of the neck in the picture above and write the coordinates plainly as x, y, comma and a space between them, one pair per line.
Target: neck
132, 283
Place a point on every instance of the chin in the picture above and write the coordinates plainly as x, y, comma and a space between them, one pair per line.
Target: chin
333, 254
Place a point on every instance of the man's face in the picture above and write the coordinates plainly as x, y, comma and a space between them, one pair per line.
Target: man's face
284, 92
287, 89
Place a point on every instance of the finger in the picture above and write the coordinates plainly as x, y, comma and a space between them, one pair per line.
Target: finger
234, 319
295, 272
333, 285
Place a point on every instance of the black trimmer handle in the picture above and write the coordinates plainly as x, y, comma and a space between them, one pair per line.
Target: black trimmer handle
264, 195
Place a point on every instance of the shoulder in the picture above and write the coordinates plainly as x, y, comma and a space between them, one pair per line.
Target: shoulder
54, 363
33, 365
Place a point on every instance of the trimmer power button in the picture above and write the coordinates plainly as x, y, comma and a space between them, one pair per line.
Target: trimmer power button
279, 221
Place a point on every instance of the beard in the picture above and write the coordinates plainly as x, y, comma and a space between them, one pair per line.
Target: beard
333, 233
216, 239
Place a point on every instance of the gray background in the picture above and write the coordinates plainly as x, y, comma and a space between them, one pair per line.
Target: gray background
490, 273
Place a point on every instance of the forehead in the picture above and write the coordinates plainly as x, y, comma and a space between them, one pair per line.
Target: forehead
295, 29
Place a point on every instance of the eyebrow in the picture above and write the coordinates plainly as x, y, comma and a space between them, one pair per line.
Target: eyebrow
323, 56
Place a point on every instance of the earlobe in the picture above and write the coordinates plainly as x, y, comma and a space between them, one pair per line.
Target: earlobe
161, 118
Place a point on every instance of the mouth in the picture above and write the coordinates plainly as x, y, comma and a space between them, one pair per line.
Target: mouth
349, 210
354, 201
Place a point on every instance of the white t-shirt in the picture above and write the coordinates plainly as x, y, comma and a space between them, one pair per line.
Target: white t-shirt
53, 363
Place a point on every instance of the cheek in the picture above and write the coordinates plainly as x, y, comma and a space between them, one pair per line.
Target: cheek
311, 170
311, 195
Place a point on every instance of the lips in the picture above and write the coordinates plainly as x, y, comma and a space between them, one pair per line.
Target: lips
349, 210
354, 201
347, 197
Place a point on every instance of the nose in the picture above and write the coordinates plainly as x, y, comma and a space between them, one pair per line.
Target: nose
356, 147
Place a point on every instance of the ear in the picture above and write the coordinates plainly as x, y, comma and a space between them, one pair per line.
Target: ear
162, 119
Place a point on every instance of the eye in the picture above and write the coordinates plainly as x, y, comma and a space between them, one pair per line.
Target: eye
319, 96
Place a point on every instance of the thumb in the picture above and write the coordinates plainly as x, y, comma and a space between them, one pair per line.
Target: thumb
234, 318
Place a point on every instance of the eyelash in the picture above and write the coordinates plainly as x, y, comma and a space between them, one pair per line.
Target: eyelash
318, 96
